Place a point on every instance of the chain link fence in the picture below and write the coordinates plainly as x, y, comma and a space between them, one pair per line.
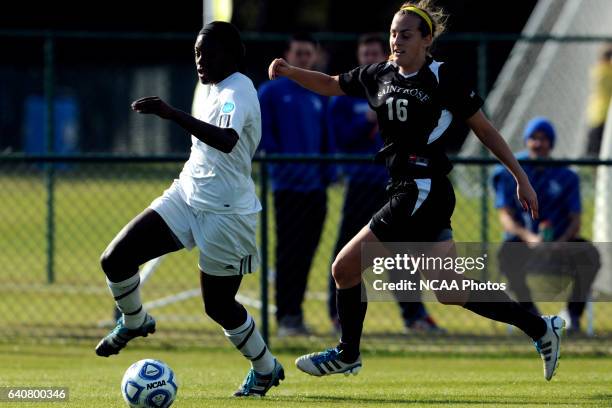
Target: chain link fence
58, 215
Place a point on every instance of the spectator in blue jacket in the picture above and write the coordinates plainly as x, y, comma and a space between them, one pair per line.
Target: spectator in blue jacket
354, 129
558, 191
294, 122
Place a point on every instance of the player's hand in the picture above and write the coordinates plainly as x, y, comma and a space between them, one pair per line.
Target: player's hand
154, 105
278, 68
528, 198
533, 240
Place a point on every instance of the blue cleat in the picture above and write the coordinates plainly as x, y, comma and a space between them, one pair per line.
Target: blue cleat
120, 335
327, 362
256, 385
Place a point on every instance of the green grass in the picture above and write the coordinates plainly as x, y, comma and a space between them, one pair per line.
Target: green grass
207, 376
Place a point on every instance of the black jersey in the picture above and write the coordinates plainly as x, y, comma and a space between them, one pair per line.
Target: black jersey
414, 113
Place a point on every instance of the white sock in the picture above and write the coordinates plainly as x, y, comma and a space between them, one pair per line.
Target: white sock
127, 298
248, 340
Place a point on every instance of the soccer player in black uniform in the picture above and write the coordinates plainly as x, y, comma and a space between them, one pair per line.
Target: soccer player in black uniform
415, 98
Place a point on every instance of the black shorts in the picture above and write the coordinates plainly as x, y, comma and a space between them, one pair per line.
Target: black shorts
417, 211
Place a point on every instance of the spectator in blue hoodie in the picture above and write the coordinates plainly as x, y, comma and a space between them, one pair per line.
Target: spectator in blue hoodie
353, 127
294, 122
558, 193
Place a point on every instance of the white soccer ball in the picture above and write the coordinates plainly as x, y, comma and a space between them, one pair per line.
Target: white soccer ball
149, 384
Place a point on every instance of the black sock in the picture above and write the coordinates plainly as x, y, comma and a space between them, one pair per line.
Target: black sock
497, 305
351, 312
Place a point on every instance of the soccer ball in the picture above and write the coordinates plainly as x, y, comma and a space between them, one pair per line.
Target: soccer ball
149, 384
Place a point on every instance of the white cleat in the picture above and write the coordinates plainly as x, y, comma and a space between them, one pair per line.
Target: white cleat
549, 345
354, 371
326, 363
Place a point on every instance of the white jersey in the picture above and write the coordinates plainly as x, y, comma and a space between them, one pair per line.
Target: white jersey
220, 182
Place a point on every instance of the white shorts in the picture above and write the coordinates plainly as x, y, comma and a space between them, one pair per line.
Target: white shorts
227, 242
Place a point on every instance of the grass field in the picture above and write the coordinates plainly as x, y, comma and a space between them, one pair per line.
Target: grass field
207, 376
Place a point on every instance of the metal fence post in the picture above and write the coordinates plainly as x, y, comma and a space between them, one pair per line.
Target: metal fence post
484, 174
482, 90
49, 148
263, 177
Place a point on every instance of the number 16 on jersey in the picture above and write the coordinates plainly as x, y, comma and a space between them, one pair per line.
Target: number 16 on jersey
400, 109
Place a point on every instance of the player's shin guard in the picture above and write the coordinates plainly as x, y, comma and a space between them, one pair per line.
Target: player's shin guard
127, 297
351, 312
248, 340
498, 306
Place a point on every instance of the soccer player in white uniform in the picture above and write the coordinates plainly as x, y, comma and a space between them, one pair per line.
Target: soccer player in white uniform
212, 205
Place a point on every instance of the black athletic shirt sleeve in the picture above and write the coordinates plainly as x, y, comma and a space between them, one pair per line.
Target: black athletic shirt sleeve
456, 94
357, 81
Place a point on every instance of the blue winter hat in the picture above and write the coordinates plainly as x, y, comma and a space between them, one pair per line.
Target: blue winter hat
540, 124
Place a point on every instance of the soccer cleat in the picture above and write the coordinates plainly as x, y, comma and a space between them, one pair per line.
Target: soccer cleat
548, 346
256, 385
327, 362
120, 335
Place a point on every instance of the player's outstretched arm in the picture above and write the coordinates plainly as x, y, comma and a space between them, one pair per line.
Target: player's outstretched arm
315, 81
490, 137
223, 139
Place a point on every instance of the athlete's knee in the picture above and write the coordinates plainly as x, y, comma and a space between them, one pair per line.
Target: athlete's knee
594, 260
449, 298
115, 266
587, 274
108, 261
228, 314
454, 295
214, 311
345, 273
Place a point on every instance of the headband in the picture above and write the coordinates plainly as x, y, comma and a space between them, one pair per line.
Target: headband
422, 14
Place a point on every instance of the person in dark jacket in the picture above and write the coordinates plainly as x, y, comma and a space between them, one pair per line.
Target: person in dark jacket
294, 122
